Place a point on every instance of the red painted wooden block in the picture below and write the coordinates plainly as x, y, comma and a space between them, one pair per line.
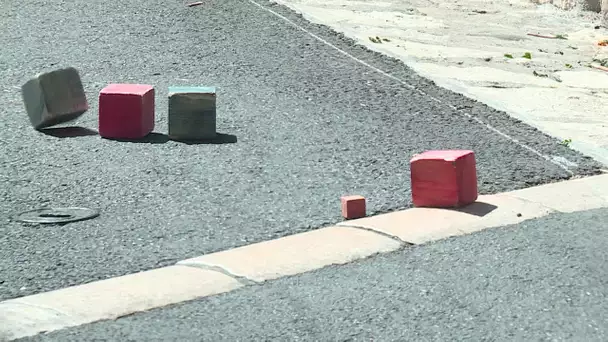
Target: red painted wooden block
126, 111
353, 207
444, 179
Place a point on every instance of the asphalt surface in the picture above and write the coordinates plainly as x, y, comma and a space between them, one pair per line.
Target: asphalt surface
541, 280
310, 125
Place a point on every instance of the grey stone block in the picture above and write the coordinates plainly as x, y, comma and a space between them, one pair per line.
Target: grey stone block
192, 113
55, 97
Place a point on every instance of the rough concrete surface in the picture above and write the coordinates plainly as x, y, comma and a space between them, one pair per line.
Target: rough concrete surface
585, 5
461, 45
308, 125
541, 280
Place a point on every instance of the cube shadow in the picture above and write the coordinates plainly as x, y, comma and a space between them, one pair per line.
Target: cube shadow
68, 132
477, 208
161, 138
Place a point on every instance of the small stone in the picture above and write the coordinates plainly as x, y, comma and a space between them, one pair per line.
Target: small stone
353, 207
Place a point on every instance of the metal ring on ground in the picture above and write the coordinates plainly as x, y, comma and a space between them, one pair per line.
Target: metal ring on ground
57, 215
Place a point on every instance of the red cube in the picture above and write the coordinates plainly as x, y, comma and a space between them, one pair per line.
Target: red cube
353, 207
126, 111
444, 179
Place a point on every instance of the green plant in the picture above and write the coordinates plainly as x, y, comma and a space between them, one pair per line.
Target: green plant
566, 142
602, 62
527, 55
378, 40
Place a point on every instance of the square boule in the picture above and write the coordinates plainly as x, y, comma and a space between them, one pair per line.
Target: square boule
192, 113
126, 111
54, 98
444, 179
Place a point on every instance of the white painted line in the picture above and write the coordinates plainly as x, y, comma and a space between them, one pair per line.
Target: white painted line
467, 115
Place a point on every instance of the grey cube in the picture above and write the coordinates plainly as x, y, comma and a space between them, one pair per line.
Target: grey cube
55, 97
192, 114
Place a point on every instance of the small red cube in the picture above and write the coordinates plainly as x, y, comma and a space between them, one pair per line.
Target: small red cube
126, 111
353, 207
444, 179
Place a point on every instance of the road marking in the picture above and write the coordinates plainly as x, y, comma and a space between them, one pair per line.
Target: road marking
551, 160
345, 242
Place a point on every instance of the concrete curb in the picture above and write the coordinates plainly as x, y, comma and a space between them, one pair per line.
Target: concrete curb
108, 299
297, 253
345, 242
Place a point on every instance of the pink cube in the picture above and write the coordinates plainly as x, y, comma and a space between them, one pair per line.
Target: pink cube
444, 179
126, 111
353, 207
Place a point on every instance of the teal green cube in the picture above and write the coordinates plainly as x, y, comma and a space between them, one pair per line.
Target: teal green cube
192, 114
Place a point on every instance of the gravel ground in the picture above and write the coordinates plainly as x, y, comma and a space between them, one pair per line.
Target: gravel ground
541, 280
311, 125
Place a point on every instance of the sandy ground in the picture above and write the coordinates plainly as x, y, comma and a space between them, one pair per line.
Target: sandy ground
466, 45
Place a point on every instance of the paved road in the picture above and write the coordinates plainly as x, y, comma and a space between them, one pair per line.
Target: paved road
541, 280
311, 125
